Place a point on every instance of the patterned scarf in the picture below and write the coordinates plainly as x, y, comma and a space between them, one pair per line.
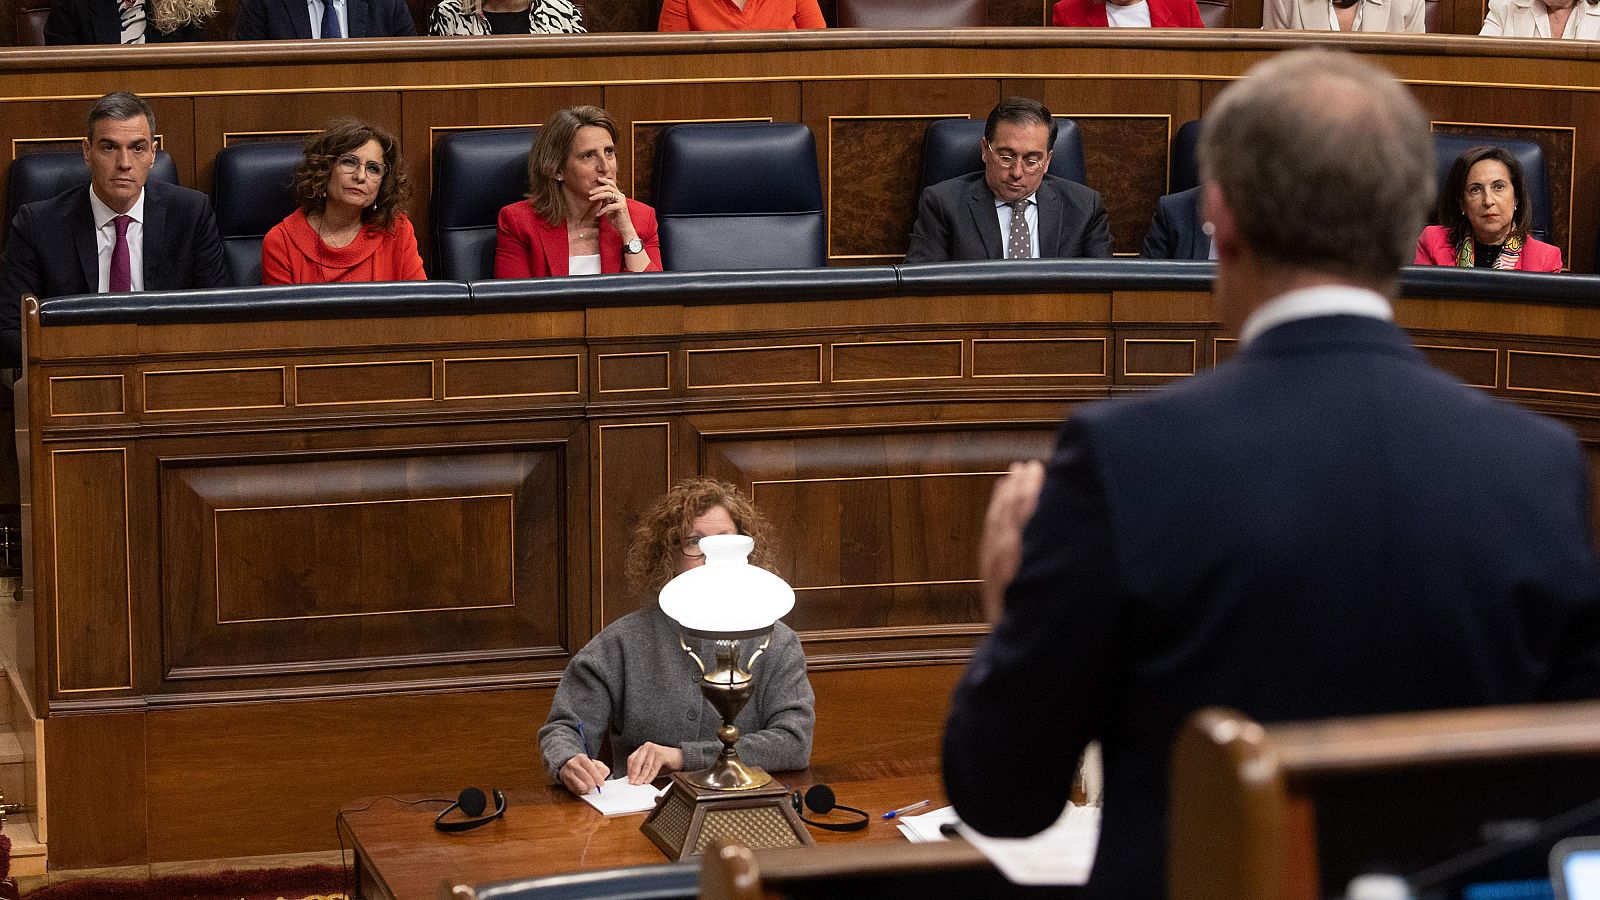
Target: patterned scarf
1510, 253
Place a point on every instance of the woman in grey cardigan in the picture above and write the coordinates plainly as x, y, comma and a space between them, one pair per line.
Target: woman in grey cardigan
634, 682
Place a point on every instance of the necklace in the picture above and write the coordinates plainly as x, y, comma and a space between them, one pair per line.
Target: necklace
324, 239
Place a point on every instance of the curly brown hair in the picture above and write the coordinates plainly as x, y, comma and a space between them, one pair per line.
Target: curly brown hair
322, 154
658, 539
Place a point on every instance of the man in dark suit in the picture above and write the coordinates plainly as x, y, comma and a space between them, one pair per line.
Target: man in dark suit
1013, 209
266, 20
1177, 231
1322, 526
115, 233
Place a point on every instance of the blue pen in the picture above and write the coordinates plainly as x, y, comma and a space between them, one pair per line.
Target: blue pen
905, 809
585, 740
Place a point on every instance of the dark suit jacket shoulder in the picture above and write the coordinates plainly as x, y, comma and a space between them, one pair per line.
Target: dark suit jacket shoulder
956, 221
264, 20
1322, 526
181, 250
98, 22
1175, 231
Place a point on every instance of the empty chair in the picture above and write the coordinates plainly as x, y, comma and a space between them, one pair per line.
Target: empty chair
254, 192
1536, 181
913, 13
40, 176
950, 149
1216, 13
739, 196
31, 16
1185, 172
475, 173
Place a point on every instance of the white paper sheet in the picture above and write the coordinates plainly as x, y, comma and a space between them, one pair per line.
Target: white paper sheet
924, 828
1061, 854
619, 798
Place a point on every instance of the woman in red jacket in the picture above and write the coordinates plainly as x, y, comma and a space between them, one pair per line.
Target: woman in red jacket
576, 221
739, 15
1126, 14
1484, 218
349, 226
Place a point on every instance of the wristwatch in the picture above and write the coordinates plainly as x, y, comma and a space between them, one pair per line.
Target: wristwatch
633, 247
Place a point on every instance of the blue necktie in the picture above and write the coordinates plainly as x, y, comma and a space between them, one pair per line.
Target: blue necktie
330, 20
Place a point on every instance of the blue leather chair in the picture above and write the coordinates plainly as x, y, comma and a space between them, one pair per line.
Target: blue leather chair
254, 191
950, 149
40, 176
739, 196
1535, 179
1185, 169
475, 174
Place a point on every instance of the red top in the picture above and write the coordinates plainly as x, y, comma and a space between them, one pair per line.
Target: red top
1434, 249
293, 253
724, 15
1092, 14
529, 247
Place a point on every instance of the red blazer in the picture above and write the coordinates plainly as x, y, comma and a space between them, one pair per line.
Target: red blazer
1434, 249
529, 247
1092, 14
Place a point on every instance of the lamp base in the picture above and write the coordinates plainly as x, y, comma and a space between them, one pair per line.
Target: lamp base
688, 818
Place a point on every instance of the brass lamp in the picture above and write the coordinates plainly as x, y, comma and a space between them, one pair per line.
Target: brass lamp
725, 601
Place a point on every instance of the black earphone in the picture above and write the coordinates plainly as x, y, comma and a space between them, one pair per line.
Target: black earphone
472, 804
819, 799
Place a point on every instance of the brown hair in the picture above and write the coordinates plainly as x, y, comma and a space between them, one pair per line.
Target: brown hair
1455, 185
658, 539
1339, 185
548, 157
322, 154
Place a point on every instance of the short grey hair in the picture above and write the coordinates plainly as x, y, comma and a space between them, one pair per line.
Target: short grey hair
1325, 161
119, 106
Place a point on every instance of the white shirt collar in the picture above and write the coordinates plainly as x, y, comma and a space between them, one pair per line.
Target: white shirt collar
1030, 199
103, 214
1307, 303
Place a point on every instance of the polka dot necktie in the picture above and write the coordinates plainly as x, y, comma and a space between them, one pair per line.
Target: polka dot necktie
1019, 242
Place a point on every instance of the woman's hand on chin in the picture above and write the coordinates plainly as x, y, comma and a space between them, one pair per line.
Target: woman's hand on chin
582, 775
650, 760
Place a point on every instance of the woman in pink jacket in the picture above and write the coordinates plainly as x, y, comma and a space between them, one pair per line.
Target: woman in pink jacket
1484, 217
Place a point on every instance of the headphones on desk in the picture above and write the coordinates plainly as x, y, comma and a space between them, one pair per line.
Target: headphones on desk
819, 799
472, 804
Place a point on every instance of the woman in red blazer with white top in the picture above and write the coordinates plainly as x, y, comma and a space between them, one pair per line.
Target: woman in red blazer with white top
1126, 14
576, 221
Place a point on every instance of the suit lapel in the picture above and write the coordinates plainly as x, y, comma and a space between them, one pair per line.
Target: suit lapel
107, 21
1051, 207
553, 238
980, 203
356, 15
154, 243
299, 15
83, 238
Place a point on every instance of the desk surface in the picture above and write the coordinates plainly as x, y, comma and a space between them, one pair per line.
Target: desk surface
547, 830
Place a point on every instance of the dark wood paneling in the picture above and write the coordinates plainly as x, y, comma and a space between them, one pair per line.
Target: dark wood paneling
1055, 357
376, 382
512, 376
640, 370
1557, 373
86, 395
97, 780
850, 713
89, 503
877, 361
1477, 366
745, 367
215, 389
634, 468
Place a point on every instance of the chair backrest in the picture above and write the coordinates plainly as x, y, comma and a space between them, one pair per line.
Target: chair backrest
1535, 179
950, 149
1430, 16
254, 191
475, 174
1294, 811
40, 176
1216, 13
739, 196
1185, 169
913, 13
31, 16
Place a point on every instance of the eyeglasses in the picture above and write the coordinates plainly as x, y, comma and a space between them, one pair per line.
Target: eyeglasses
1030, 163
349, 165
691, 548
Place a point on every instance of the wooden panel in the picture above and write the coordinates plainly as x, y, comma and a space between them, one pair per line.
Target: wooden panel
89, 515
642, 371
314, 564
198, 390
634, 468
1019, 12
1555, 373
222, 120
868, 361
86, 395
1159, 357
850, 706
1064, 357
96, 770
1477, 366
512, 376
375, 382
1126, 158
755, 366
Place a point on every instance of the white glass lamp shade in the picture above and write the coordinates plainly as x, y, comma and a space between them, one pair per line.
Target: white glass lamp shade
727, 597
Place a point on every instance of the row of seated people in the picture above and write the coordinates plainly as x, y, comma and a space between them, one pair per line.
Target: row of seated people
996, 197
142, 21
